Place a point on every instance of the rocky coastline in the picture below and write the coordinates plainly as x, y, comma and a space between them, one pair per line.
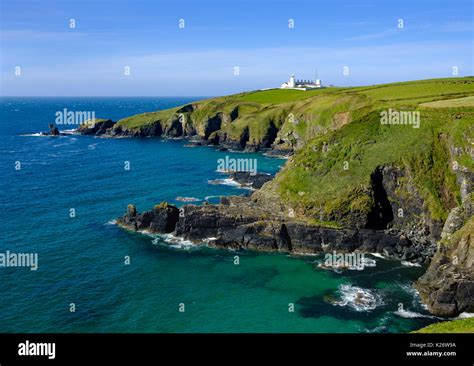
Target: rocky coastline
240, 223
393, 217
212, 135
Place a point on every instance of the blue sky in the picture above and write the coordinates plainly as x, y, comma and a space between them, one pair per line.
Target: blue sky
253, 35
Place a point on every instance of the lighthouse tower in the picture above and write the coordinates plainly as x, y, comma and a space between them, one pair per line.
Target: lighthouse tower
292, 82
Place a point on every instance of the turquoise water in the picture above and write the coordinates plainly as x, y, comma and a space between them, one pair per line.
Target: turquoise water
81, 259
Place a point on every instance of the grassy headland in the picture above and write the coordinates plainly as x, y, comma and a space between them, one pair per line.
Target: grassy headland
397, 158
338, 140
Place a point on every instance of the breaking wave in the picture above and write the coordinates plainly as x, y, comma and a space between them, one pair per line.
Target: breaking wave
357, 298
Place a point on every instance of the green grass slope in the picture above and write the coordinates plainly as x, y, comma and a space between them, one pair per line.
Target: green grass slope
331, 170
454, 326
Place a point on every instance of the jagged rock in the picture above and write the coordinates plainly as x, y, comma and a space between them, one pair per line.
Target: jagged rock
162, 219
238, 222
53, 130
175, 129
447, 287
212, 124
453, 223
256, 180
131, 211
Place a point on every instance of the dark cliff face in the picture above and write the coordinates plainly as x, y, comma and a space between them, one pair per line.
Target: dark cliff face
381, 214
447, 287
162, 219
240, 224
399, 208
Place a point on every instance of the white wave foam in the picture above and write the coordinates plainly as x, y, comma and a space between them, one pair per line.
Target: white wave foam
367, 262
209, 197
174, 241
38, 134
187, 199
378, 255
407, 287
410, 264
412, 314
465, 315
42, 134
226, 182
69, 132
286, 157
358, 298
112, 222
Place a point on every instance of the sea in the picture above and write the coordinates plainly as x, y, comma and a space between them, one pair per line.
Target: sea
59, 197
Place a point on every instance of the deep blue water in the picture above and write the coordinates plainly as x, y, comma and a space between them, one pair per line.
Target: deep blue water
81, 259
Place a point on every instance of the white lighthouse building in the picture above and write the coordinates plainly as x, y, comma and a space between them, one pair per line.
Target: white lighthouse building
290, 83
293, 83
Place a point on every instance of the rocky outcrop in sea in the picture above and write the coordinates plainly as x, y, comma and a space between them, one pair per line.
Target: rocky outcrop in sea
241, 223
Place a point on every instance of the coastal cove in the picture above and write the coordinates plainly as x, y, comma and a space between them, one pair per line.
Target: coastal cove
81, 260
352, 182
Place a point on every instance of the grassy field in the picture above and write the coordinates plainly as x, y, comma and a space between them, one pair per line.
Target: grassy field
454, 326
144, 119
418, 89
278, 96
451, 103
